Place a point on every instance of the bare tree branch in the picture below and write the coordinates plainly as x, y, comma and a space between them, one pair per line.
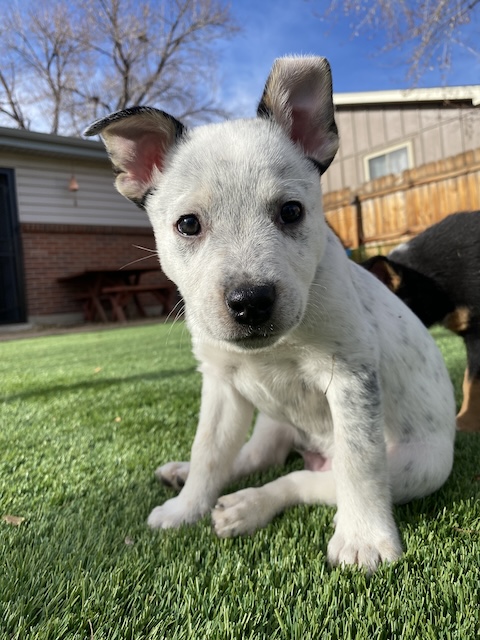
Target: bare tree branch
80, 59
157, 48
41, 43
427, 30
9, 103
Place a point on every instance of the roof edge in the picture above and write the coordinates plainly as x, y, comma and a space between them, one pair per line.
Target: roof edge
51, 144
393, 96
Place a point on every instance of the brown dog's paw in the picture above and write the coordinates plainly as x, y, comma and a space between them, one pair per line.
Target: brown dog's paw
468, 423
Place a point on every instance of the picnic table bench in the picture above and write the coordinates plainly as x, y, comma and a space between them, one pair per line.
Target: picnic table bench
112, 290
120, 296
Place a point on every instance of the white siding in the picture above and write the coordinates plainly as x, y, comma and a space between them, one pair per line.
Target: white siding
43, 195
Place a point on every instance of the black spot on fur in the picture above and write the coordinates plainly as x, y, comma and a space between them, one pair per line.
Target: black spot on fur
407, 428
408, 467
365, 405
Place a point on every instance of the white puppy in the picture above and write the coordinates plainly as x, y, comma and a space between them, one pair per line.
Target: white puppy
282, 321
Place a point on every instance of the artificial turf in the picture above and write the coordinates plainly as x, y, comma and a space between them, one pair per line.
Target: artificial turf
85, 419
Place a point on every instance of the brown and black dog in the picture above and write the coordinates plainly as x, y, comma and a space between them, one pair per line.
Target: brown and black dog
437, 274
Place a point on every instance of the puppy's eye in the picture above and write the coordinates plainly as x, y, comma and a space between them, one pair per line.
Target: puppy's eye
189, 225
291, 212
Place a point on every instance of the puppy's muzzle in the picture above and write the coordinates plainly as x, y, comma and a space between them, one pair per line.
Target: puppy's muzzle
251, 305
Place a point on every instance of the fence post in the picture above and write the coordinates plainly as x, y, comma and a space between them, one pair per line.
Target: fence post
357, 203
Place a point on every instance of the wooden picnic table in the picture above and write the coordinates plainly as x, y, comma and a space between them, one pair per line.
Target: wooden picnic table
110, 289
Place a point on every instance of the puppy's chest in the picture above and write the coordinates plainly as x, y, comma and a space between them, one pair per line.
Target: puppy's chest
285, 388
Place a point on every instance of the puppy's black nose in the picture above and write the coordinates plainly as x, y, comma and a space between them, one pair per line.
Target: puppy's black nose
252, 305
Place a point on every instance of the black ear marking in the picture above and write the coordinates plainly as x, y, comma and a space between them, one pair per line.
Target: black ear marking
319, 166
140, 202
263, 111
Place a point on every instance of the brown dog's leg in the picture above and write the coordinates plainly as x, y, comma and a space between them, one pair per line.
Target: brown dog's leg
468, 418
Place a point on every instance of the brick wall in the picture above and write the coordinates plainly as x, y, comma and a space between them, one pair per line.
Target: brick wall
53, 251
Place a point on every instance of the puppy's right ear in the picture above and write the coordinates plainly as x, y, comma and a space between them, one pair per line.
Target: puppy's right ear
137, 140
388, 273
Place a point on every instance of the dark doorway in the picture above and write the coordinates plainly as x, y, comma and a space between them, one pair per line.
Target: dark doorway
12, 294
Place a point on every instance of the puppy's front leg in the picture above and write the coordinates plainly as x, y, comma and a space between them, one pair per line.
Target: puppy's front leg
365, 532
225, 417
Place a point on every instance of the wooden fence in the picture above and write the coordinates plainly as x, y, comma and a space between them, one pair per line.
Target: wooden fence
392, 209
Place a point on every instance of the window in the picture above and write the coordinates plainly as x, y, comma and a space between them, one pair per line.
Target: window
393, 160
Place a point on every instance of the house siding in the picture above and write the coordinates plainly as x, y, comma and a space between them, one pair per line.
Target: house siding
436, 132
64, 232
43, 195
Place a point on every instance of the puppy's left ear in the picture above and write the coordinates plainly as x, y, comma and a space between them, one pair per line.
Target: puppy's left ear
298, 96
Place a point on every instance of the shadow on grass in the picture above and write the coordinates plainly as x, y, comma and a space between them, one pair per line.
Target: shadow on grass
98, 384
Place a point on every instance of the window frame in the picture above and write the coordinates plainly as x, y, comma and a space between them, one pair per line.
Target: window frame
407, 144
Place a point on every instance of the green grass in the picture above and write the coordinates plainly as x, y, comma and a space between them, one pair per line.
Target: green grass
84, 421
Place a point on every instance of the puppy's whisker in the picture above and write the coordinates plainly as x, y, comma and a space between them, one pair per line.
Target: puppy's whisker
129, 264
138, 246
147, 249
179, 309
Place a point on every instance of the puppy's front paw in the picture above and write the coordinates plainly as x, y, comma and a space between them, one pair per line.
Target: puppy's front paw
172, 514
366, 548
173, 474
240, 513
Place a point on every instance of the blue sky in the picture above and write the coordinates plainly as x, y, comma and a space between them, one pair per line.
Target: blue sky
273, 28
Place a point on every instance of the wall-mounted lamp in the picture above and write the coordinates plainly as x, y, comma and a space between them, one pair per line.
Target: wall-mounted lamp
73, 184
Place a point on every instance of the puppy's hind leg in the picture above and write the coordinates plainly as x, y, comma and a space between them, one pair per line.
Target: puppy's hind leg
269, 445
418, 468
173, 474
